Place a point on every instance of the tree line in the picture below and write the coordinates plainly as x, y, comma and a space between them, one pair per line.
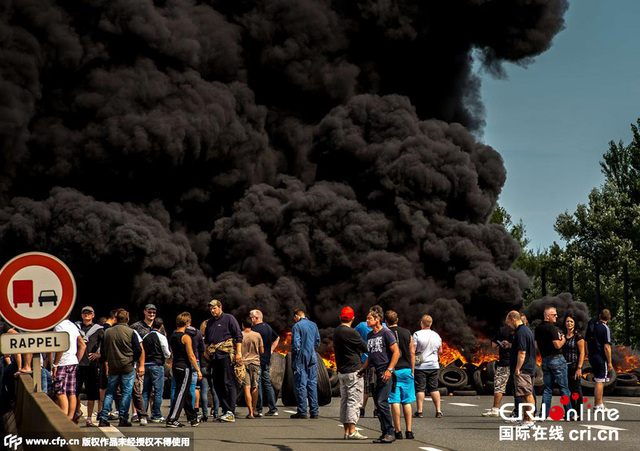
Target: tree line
601, 236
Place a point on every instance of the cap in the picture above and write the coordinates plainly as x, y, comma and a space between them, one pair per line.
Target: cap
87, 308
214, 302
150, 307
347, 314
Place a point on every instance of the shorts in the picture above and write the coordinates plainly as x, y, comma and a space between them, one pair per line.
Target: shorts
500, 379
523, 384
405, 392
65, 380
426, 381
252, 378
88, 376
599, 369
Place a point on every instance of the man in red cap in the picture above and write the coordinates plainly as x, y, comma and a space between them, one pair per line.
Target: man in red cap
349, 346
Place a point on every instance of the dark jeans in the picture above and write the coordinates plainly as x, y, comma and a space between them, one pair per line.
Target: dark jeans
265, 388
554, 370
224, 383
206, 384
575, 386
153, 378
380, 398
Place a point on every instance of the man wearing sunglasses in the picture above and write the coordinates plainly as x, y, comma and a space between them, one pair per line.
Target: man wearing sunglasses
549, 340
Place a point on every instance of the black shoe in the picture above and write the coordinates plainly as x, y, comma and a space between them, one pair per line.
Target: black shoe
204, 418
174, 424
271, 413
195, 423
385, 439
398, 435
361, 412
375, 413
314, 417
418, 415
103, 423
298, 416
409, 435
124, 424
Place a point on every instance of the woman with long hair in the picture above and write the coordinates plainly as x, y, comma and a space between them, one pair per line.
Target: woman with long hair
573, 351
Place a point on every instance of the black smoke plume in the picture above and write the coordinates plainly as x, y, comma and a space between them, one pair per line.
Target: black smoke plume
275, 154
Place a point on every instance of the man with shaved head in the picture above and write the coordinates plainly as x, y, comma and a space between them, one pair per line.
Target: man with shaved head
266, 394
550, 341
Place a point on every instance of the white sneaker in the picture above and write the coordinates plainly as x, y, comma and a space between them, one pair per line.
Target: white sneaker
527, 425
357, 436
491, 413
143, 421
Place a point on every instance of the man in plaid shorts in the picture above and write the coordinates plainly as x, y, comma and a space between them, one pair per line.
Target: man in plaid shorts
502, 341
65, 366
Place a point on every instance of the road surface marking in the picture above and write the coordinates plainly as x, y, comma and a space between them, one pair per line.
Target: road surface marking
340, 425
462, 404
428, 448
623, 403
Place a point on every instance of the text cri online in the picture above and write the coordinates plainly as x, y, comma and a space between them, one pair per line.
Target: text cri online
593, 435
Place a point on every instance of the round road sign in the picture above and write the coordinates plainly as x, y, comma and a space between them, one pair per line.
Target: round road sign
37, 291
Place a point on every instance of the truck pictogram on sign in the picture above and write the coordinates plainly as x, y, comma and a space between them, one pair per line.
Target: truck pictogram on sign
23, 292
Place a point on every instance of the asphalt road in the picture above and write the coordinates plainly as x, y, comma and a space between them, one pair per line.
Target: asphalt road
462, 428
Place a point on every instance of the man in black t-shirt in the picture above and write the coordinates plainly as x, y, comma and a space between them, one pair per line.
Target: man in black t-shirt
502, 341
270, 339
349, 347
550, 341
522, 364
383, 352
599, 346
405, 392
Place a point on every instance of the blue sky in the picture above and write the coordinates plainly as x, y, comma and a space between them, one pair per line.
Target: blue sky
553, 120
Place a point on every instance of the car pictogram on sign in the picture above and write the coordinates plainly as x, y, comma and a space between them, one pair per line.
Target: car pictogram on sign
48, 296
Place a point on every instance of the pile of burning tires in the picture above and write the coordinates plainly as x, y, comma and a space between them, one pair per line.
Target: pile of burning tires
469, 379
457, 378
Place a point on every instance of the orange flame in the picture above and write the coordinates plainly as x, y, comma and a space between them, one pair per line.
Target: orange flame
284, 348
628, 362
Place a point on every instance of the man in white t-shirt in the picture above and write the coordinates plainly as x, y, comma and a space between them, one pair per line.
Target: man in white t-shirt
64, 368
428, 347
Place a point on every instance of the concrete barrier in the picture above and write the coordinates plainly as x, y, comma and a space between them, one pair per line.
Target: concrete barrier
37, 416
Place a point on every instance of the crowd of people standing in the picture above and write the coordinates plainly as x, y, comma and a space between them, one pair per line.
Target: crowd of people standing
122, 364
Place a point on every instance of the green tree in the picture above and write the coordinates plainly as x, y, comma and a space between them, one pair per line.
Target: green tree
604, 233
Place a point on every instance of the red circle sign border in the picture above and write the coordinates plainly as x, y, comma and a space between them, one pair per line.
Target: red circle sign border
55, 265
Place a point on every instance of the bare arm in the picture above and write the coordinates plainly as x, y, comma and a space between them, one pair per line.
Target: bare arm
274, 344
82, 347
607, 352
521, 357
580, 359
412, 354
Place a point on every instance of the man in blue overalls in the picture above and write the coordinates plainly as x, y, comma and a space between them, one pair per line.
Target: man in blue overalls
305, 338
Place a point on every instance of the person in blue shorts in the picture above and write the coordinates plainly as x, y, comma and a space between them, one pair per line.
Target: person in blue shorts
404, 393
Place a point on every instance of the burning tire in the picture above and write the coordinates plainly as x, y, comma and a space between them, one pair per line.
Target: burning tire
627, 380
491, 370
453, 378
465, 393
286, 394
626, 391
335, 383
276, 372
481, 383
324, 385
470, 369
